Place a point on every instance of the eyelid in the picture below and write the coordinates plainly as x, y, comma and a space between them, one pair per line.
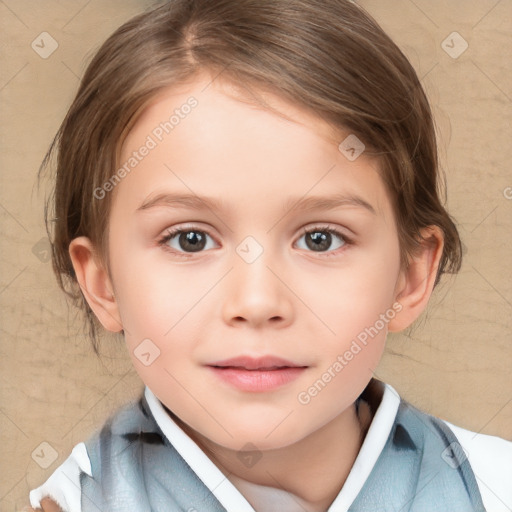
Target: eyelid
326, 227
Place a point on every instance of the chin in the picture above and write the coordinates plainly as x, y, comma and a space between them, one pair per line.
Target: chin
245, 438
256, 443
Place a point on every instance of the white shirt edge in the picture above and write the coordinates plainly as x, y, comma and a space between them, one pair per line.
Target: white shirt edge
493, 476
219, 485
63, 486
372, 447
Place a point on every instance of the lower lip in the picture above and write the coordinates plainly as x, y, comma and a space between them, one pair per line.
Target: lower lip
257, 380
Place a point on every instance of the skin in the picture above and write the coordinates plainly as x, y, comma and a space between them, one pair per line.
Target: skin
292, 302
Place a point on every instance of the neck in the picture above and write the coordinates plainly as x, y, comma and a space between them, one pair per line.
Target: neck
321, 461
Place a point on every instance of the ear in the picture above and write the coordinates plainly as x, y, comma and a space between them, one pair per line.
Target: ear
95, 283
415, 283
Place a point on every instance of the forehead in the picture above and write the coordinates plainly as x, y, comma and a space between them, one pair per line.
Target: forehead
229, 146
210, 90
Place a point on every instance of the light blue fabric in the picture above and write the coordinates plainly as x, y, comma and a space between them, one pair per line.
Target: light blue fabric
134, 468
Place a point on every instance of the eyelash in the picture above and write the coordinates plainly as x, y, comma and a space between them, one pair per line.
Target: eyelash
172, 232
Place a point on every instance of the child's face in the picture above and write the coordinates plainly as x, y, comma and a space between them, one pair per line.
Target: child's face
227, 300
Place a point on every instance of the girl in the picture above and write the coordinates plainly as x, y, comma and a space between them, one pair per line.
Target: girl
247, 190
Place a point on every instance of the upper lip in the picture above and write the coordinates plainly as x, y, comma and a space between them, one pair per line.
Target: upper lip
256, 363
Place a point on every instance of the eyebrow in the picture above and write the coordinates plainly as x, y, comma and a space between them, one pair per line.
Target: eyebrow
199, 203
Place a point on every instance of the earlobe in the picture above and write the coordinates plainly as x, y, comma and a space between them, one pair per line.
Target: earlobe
95, 283
415, 284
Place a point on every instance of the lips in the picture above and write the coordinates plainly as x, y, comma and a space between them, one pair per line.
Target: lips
256, 375
264, 363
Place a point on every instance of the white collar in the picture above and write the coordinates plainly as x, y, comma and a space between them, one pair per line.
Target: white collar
232, 499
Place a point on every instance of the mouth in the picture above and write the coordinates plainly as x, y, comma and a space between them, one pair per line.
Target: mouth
265, 363
256, 374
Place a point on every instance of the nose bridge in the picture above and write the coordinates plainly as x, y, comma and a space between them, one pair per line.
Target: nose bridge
255, 293
251, 272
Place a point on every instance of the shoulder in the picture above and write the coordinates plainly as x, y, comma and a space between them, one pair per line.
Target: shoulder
63, 486
490, 458
487, 459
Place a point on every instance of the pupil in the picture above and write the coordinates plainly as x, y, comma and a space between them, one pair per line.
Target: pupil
192, 240
320, 241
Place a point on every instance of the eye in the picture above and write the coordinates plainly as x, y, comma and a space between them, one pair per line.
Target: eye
320, 239
188, 240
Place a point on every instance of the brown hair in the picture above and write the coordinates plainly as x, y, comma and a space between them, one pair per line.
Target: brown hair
327, 56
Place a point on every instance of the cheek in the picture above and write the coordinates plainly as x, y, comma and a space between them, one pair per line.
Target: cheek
356, 304
154, 294
354, 296
163, 303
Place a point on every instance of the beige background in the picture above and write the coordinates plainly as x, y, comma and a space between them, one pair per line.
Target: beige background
455, 364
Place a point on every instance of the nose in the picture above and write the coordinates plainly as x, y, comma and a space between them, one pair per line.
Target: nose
257, 294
